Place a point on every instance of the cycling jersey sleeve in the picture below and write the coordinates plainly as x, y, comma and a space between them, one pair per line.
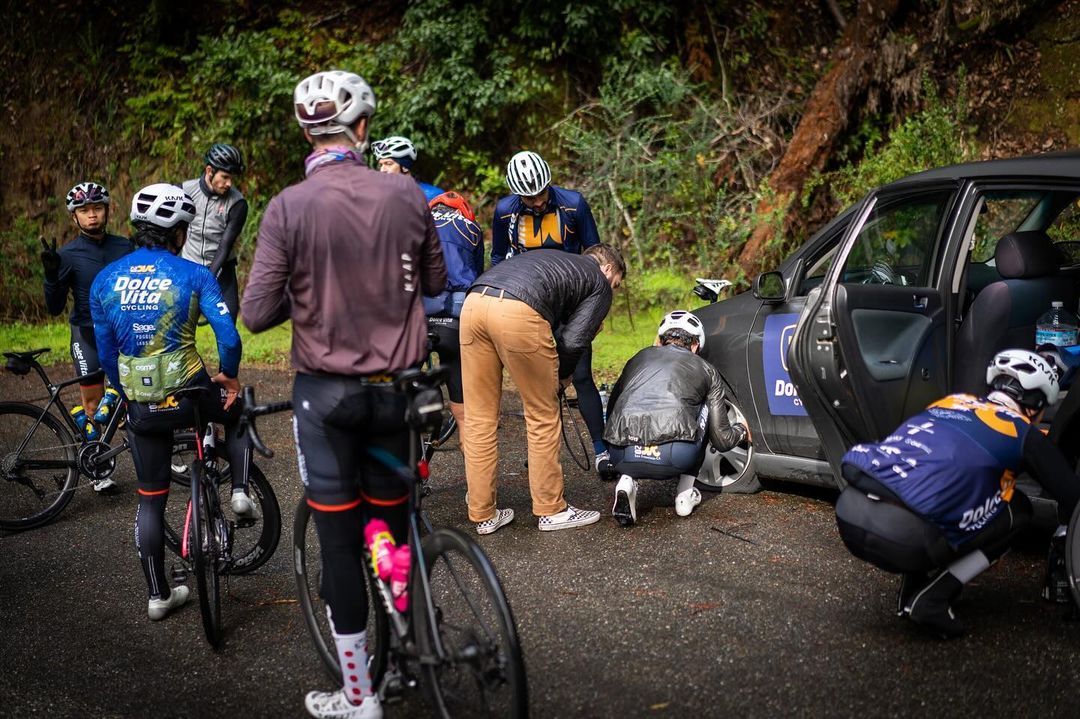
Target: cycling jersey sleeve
56, 293
266, 299
500, 243
722, 434
433, 269
580, 328
587, 231
108, 352
216, 312
1052, 471
234, 225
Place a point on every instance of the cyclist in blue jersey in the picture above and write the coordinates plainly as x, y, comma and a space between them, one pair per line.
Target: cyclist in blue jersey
540, 214
462, 243
72, 270
145, 308
936, 500
396, 155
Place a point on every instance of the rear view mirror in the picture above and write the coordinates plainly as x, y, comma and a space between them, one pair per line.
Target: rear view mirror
770, 287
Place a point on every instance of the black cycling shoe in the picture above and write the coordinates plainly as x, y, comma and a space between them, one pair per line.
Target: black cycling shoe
910, 585
931, 606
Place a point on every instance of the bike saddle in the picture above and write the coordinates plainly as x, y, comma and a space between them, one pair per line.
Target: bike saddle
22, 362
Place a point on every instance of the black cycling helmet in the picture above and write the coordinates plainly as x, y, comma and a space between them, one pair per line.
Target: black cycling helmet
225, 157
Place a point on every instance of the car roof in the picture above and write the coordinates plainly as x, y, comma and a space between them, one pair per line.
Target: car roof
1065, 165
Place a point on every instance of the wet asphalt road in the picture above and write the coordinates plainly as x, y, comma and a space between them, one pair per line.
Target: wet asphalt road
751, 607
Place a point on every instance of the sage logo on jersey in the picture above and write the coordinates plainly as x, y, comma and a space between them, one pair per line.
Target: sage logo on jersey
140, 293
136, 327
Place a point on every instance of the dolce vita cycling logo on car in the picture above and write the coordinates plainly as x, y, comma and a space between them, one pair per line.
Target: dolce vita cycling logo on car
140, 293
783, 398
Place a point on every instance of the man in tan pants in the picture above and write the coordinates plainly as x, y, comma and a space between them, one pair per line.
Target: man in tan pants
507, 321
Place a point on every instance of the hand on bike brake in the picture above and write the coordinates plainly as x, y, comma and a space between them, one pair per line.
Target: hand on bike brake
231, 385
50, 259
564, 382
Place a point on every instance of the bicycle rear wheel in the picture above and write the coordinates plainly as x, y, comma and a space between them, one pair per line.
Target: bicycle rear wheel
307, 564
38, 482
205, 552
482, 672
254, 541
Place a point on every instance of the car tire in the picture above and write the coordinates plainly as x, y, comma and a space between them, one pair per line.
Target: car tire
731, 471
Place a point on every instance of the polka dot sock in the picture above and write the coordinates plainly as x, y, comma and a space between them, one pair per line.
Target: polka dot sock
352, 653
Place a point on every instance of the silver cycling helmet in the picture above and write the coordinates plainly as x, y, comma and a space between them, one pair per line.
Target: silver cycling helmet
87, 193
395, 147
527, 174
162, 205
685, 321
1025, 376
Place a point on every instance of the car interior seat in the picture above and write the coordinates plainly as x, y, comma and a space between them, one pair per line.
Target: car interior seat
1004, 313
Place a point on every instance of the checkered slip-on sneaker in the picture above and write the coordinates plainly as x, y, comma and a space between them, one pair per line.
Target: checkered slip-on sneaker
501, 519
568, 519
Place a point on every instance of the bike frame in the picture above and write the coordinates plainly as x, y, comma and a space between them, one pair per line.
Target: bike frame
54, 399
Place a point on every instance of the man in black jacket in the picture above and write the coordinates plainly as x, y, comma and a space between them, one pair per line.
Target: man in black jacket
507, 322
666, 404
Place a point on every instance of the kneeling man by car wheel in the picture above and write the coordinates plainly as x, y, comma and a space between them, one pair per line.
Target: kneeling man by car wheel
667, 404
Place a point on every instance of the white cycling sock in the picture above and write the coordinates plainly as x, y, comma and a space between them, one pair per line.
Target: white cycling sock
969, 566
686, 481
352, 657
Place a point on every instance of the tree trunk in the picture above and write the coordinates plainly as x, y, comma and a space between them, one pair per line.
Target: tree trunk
828, 112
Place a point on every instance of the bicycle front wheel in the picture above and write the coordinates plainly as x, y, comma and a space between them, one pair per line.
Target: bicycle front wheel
1072, 554
206, 552
307, 564
38, 481
253, 540
481, 671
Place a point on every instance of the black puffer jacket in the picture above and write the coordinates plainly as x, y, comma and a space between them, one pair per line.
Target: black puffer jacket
658, 399
569, 291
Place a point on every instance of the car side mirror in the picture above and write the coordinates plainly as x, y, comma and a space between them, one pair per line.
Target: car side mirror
770, 287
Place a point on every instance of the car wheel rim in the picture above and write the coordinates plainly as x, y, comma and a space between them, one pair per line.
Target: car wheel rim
729, 467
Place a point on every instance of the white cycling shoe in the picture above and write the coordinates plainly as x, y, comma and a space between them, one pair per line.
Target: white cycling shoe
334, 705
625, 508
244, 506
158, 609
686, 500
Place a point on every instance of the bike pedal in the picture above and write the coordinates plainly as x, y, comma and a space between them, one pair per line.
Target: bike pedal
179, 575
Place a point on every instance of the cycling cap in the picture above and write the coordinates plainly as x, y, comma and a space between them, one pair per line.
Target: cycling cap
685, 321
527, 174
328, 102
397, 148
455, 202
1024, 376
163, 205
87, 193
225, 157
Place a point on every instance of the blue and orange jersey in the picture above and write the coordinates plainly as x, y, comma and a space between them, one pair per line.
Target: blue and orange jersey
954, 464
565, 224
145, 307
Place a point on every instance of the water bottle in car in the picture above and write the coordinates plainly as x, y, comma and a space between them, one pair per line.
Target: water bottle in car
1058, 326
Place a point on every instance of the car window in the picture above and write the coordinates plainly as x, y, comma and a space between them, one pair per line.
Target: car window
1001, 213
1066, 228
820, 263
897, 243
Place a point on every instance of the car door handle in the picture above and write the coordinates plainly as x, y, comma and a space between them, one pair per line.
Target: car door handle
920, 302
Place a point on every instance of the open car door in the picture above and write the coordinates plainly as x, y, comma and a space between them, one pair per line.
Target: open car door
873, 345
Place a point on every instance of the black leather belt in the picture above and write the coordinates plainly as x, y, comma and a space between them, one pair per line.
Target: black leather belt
489, 291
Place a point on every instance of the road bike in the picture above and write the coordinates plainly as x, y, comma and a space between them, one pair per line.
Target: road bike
45, 452
458, 639
435, 440
205, 542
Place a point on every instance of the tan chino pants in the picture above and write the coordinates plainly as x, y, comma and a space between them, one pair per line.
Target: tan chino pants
498, 332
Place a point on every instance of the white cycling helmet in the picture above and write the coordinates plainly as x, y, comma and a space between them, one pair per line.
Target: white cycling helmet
685, 321
327, 103
1025, 376
162, 205
395, 147
87, 193
527, 174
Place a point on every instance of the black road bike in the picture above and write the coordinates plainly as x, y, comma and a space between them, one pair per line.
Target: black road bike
458, 639
43, 453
